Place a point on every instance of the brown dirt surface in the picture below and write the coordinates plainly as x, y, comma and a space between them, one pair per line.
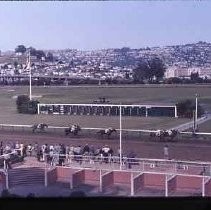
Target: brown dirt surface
193, 150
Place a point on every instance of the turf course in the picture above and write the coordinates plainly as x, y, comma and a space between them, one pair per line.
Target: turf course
139, 94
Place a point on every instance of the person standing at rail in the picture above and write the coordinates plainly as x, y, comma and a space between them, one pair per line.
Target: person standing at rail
166, 152
1, 148
21, 148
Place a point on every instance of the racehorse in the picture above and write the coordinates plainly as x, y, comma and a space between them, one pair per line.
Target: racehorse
40, 126
165, 133
106, 132
74, 129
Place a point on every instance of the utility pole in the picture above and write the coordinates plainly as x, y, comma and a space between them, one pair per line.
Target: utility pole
194, 122
196, 112
30, 77
120, 136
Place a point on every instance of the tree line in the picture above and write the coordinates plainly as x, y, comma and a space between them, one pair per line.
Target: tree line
38, 53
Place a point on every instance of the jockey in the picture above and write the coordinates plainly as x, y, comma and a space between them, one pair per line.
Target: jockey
158, 133
51, 147
105, 149
107, 130
17, 145
73, 127
169, 132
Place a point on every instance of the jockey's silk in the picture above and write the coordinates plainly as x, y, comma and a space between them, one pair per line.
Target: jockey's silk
73, 128
106, 149
107, 130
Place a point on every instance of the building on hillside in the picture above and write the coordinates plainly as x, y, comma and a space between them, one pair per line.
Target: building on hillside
186, 72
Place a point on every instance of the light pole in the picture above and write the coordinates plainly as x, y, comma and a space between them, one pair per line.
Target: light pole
120, 136
30, 77
196, 112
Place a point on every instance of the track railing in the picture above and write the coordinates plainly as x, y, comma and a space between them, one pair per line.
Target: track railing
14, 127
134, 164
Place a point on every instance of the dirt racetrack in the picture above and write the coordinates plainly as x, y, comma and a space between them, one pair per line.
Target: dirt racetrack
144, 149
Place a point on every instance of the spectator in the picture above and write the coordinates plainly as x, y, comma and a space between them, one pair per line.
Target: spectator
39, 154
6, 162
21, 148
51, 157
30, 149
166, 152
131, 157
36, 146
1, 150
24, 150
86, 149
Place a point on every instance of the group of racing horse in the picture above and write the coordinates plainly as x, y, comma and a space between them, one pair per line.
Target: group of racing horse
75, 129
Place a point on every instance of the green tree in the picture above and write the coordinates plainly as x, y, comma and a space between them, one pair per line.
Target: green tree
185, 108
20, 49
173, 80
40, 54
49, 57
157, 68
24, 105
32, 107
194, 76
148, 69
141, 72
33, 51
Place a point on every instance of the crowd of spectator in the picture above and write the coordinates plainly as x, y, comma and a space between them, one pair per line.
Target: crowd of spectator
59, 154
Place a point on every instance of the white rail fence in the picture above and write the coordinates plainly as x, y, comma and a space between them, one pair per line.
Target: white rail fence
136, 164
13, 127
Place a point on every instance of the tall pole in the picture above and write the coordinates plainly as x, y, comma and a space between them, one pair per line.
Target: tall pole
194, 121
30, 78
196, 112
120, 136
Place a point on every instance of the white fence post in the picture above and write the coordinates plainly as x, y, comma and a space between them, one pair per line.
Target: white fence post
203, 187
175, 111
38, 109
166, 186
143, 166
7, 180
71, 181
46, 177
132, 184
101, 184
210, 171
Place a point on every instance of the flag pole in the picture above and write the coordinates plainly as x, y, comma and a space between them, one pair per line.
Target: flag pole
30, 78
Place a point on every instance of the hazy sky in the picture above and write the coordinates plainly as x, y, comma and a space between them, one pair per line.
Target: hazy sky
103, 24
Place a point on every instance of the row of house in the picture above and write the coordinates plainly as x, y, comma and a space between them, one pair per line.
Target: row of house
175, 71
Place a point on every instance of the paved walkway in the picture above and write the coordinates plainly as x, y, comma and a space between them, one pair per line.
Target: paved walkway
188, 125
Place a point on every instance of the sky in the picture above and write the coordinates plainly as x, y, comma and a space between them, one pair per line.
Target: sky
90, 25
